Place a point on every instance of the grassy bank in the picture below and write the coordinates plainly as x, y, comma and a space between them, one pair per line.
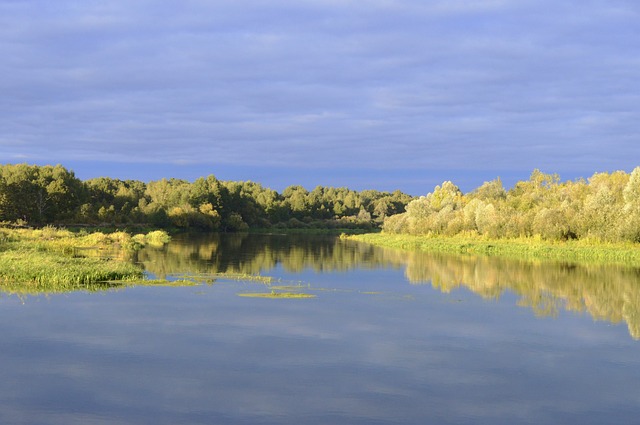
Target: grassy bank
527, 248
55, 260
36, 271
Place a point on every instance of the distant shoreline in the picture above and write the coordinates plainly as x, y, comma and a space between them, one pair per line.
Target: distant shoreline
627, 254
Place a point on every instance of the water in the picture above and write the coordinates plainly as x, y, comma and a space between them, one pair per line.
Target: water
391, 338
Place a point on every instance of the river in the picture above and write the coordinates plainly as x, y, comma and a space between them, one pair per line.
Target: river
389, 337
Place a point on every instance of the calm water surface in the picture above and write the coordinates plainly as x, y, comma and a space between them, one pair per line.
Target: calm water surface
391, 338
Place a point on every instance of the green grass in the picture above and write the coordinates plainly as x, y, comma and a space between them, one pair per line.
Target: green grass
156, 238
51, 260
523, 248
65, 241
41, 271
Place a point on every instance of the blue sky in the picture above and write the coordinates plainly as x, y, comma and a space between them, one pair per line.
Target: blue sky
373, 94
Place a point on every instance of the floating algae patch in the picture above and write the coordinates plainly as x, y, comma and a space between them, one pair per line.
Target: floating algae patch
192, 278
275, 295
212, 278
246, 277
288, 287
162, 282
238, 277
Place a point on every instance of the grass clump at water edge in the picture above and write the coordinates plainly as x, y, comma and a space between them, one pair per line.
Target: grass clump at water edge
47, 260
155, 238
50, 272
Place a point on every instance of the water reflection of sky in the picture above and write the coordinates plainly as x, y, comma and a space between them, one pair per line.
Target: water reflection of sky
407, 354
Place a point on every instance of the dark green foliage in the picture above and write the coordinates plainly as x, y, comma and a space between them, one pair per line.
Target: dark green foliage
42, 195
39, 195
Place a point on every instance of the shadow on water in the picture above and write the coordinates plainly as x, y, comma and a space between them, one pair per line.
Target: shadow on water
609, 293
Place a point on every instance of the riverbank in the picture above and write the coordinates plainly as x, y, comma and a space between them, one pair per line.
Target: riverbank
523, 248
58, 260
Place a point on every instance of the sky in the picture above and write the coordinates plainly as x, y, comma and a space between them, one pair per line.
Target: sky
377, 94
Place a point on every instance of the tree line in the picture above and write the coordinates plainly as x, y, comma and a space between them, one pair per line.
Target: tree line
40, 195
602, 208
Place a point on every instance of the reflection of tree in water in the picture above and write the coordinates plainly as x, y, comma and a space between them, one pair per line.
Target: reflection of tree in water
255, 254
606, 292
609, 293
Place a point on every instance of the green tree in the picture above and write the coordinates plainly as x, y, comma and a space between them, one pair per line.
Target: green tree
37, 194
490, 191
630, 227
